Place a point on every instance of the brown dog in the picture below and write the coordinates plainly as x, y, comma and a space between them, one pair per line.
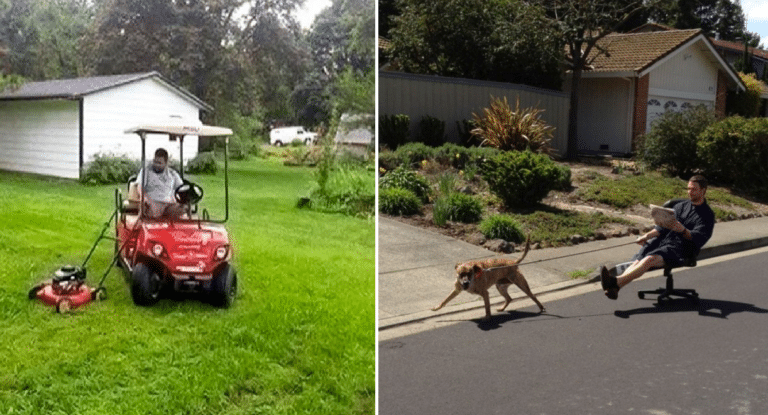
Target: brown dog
478, 276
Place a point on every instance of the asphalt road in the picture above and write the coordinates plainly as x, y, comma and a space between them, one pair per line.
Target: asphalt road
591, 355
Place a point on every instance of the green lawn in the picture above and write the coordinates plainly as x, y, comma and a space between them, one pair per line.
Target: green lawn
299, 339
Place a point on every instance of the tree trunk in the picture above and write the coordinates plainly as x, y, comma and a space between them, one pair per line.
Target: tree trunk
572, 150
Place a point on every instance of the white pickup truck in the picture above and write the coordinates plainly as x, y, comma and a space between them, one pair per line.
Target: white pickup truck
286, 135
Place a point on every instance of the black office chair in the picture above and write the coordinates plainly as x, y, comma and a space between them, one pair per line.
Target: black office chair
670, 290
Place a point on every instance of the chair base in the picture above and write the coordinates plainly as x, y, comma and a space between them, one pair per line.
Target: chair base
669, 291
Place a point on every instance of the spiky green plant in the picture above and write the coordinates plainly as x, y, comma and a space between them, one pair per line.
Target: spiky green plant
505, 128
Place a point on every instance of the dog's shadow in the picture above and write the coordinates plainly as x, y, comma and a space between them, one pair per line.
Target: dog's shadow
497, 320
705, 307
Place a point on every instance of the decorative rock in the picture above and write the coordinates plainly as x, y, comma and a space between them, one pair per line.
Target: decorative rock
577, 239
467, 190
477, 238
499, 245
600, 236
535, 245
634, 231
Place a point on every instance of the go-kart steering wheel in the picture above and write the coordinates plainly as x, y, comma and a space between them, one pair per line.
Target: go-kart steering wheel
188, 193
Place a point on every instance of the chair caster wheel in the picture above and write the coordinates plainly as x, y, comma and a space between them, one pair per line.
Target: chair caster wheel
641, 296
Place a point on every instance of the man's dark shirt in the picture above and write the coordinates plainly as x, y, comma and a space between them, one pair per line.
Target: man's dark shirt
672, 246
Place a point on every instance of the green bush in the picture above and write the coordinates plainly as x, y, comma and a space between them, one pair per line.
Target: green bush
413, 154
521, 179
203, 163
746, 103
389, 160
453, 155
735, 151
398, 202
431, 131
108, 169
457, 207
671, 143
404, 178
393, 130
464, 129
502, 227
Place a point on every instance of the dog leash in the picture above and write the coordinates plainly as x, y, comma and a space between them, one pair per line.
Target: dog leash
564, 256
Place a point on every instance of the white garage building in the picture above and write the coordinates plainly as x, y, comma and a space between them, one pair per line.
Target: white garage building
643, 75
54, 128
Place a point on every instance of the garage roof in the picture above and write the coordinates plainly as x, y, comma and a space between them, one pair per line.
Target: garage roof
79, 87
637, 54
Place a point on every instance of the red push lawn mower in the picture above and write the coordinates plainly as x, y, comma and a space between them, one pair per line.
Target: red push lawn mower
190, 254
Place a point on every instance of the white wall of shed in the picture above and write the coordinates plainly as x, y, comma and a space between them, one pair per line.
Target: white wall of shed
40, 137
150, 101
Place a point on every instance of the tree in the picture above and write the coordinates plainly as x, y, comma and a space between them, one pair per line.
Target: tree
43, 38
342, 77
582, 24
722, 19
497, 40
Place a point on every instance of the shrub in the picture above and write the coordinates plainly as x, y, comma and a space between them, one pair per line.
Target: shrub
389, 160
521, 179
735, 151
404, 178
671, 143
109, 168
563, 181
349, 189
458, 207
398, 202
203, 163
502, 227
393, 130
452, 155
414, 153
506, 129
464, 129
747, 103
431, 131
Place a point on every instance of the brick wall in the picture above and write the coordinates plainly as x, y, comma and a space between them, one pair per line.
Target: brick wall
722, 93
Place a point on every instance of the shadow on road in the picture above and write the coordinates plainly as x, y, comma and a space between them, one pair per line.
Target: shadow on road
709, 308
498, 320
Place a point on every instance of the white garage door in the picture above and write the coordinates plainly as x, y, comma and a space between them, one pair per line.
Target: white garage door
658, 105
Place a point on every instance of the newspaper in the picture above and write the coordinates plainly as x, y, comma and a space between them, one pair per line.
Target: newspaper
664, 217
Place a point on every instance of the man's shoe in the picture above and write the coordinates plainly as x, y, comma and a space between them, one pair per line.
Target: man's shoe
609, 283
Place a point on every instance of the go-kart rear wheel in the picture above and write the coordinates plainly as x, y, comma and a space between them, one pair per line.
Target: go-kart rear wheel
224, 289
146, 285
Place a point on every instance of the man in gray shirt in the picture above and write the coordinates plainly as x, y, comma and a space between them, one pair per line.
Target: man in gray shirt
160, 186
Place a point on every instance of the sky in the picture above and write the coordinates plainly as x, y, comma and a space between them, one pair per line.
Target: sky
306, 14
756, 12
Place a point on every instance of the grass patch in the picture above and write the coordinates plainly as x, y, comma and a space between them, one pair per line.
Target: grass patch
629, 190
581, 274
299, 339
556, 226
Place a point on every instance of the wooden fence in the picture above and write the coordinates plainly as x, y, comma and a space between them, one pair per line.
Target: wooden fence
454, 99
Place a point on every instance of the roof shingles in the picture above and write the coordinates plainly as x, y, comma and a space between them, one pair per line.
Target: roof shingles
638, 51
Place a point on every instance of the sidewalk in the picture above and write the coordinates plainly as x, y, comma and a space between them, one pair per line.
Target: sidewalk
416, 266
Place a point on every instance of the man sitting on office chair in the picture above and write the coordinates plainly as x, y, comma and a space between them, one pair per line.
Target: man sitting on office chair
669, 246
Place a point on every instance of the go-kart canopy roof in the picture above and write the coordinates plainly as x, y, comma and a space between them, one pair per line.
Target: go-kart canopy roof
198, 130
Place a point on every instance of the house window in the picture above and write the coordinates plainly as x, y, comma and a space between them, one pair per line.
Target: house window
654, 102
670, 104
686, 105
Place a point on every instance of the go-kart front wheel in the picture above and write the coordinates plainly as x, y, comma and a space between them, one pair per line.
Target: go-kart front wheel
224, 289
145, 287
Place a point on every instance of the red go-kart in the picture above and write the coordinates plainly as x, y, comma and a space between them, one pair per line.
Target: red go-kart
191, 254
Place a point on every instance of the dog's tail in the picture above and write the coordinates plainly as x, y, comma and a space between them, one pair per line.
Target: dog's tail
525, 251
